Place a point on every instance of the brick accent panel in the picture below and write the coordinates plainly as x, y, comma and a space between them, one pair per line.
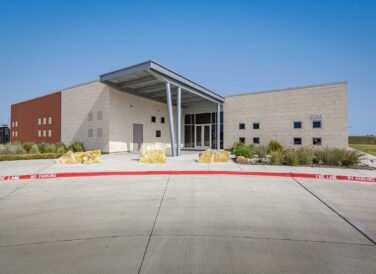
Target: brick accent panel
25, 115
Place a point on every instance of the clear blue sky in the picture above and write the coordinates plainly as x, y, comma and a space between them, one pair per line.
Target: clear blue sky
227, 46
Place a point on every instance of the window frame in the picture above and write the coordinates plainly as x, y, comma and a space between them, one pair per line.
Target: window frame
301, 124
317, 138
241, 126
256, 123
163, 119
313, 121
158, 132
153, 119
253, 140
301, 141
242, 141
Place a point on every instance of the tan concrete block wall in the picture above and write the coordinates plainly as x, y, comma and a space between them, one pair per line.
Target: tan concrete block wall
127, 109
276, 111
77, 103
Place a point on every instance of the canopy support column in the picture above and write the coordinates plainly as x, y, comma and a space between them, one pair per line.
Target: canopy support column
178, 118
218, 126
170, 119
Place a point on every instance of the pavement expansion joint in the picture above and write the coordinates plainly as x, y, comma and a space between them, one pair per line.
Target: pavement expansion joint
74, 239
155, 221
263, 238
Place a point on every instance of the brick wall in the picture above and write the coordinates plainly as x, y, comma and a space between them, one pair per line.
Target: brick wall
37, 120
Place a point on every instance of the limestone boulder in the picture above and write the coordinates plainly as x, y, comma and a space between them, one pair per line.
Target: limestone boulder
241, 160
88, 157
153, 153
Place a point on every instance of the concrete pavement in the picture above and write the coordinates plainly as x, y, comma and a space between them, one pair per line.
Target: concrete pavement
185, 224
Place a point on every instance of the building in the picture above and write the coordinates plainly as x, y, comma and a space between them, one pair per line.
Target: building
4, 134
148, 102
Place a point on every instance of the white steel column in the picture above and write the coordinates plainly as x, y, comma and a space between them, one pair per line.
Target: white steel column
178, 118
219, 126
170, 119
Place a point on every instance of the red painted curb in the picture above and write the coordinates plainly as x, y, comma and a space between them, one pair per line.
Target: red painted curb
191, 172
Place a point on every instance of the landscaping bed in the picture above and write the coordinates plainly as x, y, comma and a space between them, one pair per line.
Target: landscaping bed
31, 151
275, 154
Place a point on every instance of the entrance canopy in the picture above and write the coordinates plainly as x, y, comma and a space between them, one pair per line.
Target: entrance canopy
154, 81
148, 79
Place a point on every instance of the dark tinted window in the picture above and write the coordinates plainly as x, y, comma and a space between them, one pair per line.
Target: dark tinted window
153, 119
316, 141
157, 133
242, 140
256, 125
316, 124
297, 124
256, 140
241, 126
162, 120
297, 141
188, 119
203, 118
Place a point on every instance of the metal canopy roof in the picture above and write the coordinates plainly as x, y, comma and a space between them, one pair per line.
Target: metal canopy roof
148, 79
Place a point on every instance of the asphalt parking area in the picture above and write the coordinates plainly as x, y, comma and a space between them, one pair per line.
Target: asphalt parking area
186, 224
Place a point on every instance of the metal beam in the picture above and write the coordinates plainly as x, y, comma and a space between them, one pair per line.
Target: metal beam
218, 126
178, 119
170, 119
138, 81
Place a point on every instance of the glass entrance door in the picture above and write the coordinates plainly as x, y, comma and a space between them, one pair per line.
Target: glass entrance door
203, 136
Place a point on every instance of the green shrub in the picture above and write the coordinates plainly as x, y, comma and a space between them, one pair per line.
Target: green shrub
241, 149
76, 147
34, 149
338, 157
27, 146
47, 148
276, 157
274, 145
261, 151
61, 148
351, 157
305, 156
291, 157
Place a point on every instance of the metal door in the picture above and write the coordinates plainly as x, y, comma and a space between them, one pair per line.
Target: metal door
138, 136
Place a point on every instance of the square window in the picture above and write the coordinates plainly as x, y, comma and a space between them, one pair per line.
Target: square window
49, 120
256, 125
44, 133
241, 126
316, 141
316, 124
297, 124
158, 133
90, 132
49, 133
297, 141
39, 133
256, 140
90, 116
44, 120
162, 120
39, 121
153, 119
99, 132
99, 115
242, 140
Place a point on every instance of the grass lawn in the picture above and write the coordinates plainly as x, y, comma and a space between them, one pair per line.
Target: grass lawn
370, 149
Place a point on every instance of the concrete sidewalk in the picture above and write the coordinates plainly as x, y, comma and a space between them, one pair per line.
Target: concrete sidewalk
188, 161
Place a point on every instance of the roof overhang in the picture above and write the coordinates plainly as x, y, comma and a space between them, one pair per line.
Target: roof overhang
148, 79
